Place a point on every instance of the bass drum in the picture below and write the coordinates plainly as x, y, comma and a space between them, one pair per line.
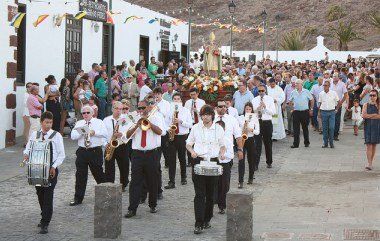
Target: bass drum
39, 163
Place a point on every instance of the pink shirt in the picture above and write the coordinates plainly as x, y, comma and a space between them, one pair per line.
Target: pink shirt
33, 104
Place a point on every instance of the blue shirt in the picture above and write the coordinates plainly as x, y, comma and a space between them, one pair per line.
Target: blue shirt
301, 100
241, 99
241, 71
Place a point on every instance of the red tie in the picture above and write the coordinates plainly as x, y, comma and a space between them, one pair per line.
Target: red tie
177, 130
195, 114
143, 139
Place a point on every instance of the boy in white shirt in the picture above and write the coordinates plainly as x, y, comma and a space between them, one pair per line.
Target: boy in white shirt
224, 179
357, 118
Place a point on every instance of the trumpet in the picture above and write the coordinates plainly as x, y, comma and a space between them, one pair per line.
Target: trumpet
173, 127
145, 123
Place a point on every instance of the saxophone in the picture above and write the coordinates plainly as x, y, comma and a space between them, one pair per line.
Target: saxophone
245, 129
173, 127
114, 143
87, 141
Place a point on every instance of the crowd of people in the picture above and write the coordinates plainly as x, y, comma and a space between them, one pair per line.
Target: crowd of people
150, 118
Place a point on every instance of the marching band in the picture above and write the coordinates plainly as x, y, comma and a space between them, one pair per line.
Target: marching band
137, 140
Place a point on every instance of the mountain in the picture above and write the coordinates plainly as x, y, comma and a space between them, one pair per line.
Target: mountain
313, 16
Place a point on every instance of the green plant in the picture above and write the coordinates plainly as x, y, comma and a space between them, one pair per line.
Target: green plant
344, 33
335, 12
294, 40
375, 19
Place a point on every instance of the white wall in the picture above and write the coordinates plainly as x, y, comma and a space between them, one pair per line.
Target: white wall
6, 84
92, 44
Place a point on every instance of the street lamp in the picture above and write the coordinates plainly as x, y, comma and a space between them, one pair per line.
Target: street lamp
190, 3
277, 26
264, 16
231, 9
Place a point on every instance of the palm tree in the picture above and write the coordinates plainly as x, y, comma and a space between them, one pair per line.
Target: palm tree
294, 40
345, 34
375, 19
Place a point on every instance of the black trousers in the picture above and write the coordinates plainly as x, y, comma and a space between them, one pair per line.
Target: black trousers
250, 151
144, 168
87, 158
266, 130
190, 160
204, 196
224, 184
301, 118
55, 108
165, 148
45, 199
121, 155
178, 145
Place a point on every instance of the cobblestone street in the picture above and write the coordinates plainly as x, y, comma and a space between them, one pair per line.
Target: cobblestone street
310, 194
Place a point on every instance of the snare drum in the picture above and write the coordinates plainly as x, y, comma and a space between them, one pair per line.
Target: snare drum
39, 163
207, 168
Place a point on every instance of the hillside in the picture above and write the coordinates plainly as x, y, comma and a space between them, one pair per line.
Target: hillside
307, 15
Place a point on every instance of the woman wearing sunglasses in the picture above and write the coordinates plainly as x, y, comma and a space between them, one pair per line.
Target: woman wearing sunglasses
371, 115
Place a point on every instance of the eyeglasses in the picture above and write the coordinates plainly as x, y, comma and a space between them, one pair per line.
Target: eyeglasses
221, 106
141, 108
261, 90
125, 108
86, 113
372, 95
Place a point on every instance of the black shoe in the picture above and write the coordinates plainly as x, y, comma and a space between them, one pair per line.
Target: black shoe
153, 210
332, 146
293, 146
269, 165
222, 211
130, 214
198, 230
183, 182
307, 145
274, 140
240, 185
324, 146
75, 202
160, 196
250, 182
170, 186
336, 139
206, 225
44, 229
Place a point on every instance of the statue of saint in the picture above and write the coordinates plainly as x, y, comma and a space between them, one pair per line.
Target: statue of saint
212, 58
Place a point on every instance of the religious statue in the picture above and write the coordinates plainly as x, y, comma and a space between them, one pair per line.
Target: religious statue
213, 58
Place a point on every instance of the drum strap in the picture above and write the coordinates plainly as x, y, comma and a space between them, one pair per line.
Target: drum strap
51, 147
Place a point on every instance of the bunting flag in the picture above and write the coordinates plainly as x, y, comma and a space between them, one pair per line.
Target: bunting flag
115, 13
80, 15
109, 18
59, 18
153, 20
177, 22
260, 30
131, 18
40, 19
16, 21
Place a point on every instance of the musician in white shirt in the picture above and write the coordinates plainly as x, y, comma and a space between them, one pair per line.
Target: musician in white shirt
232, 111
264, 106
89, 155
205, 139
250, 120
145, 89
225, 178
46, 194
146, 156
164, 110
194, 105
117, 120
183, 122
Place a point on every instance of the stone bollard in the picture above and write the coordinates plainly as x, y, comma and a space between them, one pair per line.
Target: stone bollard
107, 211
239, 216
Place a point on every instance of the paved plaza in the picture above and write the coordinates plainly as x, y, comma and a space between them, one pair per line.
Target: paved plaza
310, 194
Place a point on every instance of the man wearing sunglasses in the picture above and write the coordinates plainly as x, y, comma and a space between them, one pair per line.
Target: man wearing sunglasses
146, 155
88, 156
263, 104
121, 152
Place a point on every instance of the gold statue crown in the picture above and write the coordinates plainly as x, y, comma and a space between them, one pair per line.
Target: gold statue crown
212, 37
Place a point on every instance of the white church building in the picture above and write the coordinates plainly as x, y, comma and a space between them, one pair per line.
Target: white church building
30, 54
